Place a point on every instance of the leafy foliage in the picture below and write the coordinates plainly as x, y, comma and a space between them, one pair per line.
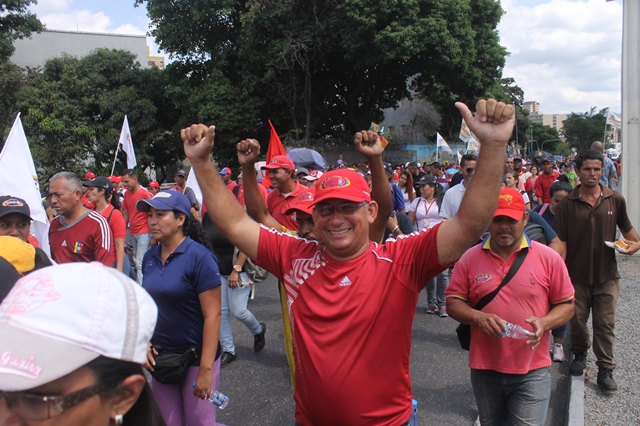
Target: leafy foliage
73, 111
582, 129
327, 68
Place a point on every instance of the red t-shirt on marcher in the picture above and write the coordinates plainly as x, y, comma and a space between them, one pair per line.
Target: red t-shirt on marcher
351, 324
87, 240
138, 223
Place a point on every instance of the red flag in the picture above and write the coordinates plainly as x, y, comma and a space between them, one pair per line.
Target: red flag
275, 148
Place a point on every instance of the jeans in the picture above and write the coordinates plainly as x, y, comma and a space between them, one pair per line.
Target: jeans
436, 288
140, 247
234, 302
512, 399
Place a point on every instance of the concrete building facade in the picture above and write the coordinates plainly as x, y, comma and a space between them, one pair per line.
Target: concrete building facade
50, 44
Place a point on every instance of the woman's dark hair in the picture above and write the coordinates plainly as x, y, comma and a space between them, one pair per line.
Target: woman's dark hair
113, 199
194, 230
559, 186
409, 188
111, 373
563, 178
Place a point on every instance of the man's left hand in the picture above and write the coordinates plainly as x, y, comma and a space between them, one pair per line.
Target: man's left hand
538, 331
492, 123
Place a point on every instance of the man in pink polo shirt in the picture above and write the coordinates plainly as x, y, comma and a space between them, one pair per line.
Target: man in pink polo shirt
286, 189
510, 377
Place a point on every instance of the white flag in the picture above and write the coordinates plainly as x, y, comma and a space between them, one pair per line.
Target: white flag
127, 144
18, 178
465, 133
614, 120
192, 183
443, 144
459, 156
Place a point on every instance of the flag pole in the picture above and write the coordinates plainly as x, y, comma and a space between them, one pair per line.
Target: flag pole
604, 137
115, 157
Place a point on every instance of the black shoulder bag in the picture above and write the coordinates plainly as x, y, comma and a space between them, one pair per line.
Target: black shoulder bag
464, 330
171, 369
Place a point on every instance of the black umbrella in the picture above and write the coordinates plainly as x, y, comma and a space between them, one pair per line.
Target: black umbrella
306, 157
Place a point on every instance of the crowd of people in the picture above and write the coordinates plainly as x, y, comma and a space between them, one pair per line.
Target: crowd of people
152, 278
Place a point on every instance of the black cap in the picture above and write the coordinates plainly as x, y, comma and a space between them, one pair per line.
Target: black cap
181, 173
9, 204
99, 182
435, 164
428, 180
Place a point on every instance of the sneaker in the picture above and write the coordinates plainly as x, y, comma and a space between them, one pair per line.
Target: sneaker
558, 353
578, 364
227, 357
442, 312
258, 340
605, 379
431, 309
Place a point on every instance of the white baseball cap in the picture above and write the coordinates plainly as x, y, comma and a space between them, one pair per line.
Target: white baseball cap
59, 318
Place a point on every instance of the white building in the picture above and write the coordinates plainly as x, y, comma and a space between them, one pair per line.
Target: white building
50, 44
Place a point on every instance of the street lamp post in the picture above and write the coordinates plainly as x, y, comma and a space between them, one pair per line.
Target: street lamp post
548, 140
531, 145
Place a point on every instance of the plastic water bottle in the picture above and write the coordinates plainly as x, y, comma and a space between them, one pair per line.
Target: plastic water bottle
218, 399
516, 331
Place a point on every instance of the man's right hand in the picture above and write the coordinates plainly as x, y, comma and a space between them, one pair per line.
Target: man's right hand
490, 324
248, 151
198, 141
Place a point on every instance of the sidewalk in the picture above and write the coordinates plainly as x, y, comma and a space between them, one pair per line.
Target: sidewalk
588, 404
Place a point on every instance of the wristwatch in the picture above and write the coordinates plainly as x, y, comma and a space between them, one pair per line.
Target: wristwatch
237, 268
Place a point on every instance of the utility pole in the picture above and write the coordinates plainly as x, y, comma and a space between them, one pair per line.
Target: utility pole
631, 108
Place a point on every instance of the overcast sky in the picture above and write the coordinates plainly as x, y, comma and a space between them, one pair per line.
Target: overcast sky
565, 54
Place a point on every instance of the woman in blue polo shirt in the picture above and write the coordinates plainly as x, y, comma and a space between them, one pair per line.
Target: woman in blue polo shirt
181, 274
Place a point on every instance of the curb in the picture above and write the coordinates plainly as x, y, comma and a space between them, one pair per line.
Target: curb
575, 409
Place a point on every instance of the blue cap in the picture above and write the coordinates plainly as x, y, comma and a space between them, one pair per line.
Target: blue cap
166, 200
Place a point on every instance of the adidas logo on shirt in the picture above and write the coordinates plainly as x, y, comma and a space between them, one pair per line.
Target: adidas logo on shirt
345, 282
64, 243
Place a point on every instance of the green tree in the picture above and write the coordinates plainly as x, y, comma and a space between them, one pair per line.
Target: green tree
11, 82
582, 129
329, 68
16, 22
73, 111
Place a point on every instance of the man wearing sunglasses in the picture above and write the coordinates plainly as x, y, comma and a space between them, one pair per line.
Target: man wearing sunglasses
351, 300
453, 198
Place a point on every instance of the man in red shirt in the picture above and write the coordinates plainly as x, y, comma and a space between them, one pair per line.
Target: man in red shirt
77, 234
285, 189
351, 300
226, 178
137, 221
543, 184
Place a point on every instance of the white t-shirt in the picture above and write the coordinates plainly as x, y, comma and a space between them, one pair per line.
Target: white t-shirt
427, 213
451, 201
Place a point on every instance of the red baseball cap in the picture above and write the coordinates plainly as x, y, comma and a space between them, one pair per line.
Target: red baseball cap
279, 162
303, 203
154, 184
343, 184
510, 204
225, 171
90, 175
115, 179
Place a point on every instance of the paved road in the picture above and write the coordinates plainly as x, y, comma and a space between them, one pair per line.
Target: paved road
260, 393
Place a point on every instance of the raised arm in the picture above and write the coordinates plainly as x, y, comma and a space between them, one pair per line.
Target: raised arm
225, 212
248, 154
493, 125
368, 144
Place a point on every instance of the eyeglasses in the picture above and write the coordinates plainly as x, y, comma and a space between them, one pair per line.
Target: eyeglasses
345, 208
31, 406
470, 170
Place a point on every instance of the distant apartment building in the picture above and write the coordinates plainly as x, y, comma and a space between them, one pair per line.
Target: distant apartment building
536, 115
154, 61
50, 44
532, 106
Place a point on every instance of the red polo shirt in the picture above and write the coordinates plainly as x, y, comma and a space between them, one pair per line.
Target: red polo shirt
277, 204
